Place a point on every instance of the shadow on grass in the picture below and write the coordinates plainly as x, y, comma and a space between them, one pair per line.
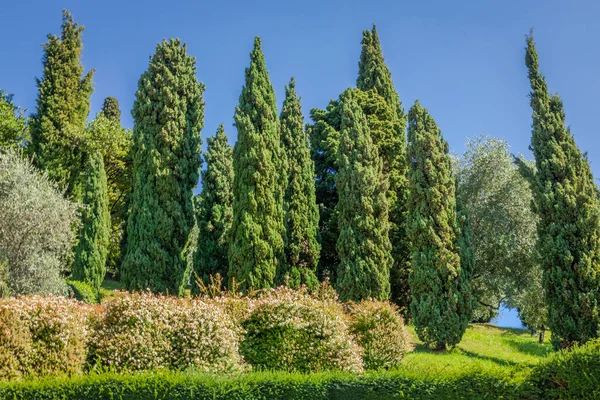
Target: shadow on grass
530, 348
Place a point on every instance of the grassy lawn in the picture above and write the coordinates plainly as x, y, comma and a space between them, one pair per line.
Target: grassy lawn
484, 348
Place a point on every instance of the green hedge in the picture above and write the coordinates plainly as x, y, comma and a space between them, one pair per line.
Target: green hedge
84, 292
268, 386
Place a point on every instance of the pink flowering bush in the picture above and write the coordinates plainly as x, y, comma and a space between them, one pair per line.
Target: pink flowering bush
290, 330
43, 336
379, 329
144, 331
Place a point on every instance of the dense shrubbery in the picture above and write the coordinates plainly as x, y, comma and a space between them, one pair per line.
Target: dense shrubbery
43, 336
380, 331
83, 292
570, 374
143, 331
292, 331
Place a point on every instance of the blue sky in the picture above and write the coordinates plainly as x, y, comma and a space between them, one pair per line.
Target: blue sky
463, 60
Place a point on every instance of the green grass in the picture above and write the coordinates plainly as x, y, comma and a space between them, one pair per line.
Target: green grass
108, 287
484, 348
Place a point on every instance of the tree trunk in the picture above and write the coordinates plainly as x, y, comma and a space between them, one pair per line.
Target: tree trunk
542, 334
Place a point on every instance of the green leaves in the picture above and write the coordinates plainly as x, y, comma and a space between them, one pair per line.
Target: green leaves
169, 114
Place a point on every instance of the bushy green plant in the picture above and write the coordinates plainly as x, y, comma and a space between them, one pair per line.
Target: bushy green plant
44, 336
142, 331
36, 232
83, 292
570, 374
289, 330
379, 329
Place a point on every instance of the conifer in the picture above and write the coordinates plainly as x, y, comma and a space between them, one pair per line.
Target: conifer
169, 113
301, 213
441, 302
214, 211
363, 244
257, 233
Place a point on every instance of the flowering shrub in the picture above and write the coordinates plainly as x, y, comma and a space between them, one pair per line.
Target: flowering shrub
144, 331
290, 330
380, 331
42, 335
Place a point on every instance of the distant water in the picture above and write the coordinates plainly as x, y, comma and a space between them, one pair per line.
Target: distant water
508, 318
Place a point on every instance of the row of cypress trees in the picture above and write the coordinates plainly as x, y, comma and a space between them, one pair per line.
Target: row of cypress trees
349, 197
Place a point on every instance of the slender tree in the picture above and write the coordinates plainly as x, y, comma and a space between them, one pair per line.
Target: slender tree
256, 248
373, 74
58, 125
111, 109
363, 244
301, 213
92, 249
566, 201
214, 212
13, 124
441, 302
169, 114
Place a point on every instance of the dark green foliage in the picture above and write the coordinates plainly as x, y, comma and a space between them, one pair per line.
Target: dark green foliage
63, 103
169, 114
267, 385
441, 300
363, 244
90, 255
84, 292
111, 109
373, 74
566, 200
214, 211
13, 127
257, 239
301, 213
573, 374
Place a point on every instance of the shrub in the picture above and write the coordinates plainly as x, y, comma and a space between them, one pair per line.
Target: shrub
380, 331
289, 330
143, 331
47, 335
83, 292
36, 233
570, 374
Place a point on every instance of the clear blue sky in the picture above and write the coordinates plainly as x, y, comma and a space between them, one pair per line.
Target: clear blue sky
463, 60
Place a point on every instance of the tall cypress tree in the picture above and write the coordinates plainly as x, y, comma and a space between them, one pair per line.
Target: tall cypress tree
214, 212
439, 286
566, 200
111, 109
363, 244
92, 249
373, 74
169, 114
58, 125
256, 248
301, 213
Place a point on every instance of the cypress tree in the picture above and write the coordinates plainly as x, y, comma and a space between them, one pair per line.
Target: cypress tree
214, 211
363, 244
111, 109
92, 249
301, 213
256, 248
373, 74
63, 103
439, 286
565, 198
169, 114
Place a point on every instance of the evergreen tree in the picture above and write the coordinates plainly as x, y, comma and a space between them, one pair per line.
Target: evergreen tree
63, 103
92, 249
13, 124
111, 109
373, 74
214, 211
566, 200
441, 301
301, 213
169, 114
256, 248
363, 244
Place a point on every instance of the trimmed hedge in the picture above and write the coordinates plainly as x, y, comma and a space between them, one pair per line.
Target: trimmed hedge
268, 386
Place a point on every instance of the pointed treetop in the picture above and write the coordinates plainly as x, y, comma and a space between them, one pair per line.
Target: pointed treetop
111, 109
